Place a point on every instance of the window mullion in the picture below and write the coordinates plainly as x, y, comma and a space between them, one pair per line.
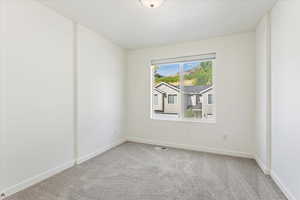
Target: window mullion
181, 85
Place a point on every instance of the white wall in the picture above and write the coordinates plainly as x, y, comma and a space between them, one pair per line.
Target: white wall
37, 95
38, 92
38, 81
285, 61
235, 97
100, 93
262, 132
1, 99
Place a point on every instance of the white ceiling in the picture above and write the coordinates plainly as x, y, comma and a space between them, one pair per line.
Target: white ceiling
132, 26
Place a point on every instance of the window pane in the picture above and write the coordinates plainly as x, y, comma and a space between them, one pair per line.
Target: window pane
166, 89
210, 101
155, 99
197, 86
172, 99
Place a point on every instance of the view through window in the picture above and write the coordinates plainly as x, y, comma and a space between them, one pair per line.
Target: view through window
183, 90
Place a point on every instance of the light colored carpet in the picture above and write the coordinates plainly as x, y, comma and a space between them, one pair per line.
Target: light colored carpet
139, 172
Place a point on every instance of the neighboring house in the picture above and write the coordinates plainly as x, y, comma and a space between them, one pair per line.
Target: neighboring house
165, 99
197, 99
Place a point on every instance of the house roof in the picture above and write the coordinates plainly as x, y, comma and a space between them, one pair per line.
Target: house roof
160, 91
198, 89
168, 85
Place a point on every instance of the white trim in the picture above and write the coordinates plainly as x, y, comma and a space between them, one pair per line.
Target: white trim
192, 147
36, 179
175, 100
168, 85
75, 89
214, 87
181, 117
89, 156
282, 187
206, 90
49, 173
160, 91
262, 165
181, 90
2, 93
192, 58
185, 120
269, 94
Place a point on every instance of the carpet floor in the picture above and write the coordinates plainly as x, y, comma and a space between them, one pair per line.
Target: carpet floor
134, 171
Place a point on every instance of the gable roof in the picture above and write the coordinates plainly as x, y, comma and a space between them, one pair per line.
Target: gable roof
160, 91
197, 89
168, 85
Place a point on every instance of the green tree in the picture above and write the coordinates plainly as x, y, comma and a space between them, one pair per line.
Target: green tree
167, 79
202, 74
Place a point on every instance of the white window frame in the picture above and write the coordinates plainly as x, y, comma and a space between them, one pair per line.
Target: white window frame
175, 96
181, 118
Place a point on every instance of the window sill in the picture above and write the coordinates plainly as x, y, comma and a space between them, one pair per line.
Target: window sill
206, 121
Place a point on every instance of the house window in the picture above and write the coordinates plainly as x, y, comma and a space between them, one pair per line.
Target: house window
155, 99
172, 99
187, 88
209, 99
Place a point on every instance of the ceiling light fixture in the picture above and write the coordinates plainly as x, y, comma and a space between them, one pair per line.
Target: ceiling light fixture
151, 3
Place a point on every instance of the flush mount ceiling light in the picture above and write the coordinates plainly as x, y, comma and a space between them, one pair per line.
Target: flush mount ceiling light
151, 3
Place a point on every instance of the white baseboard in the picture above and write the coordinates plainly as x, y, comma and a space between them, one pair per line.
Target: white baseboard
282, 187
262, 165
36, 179
40, 177
191, 147
99, 151
43, 176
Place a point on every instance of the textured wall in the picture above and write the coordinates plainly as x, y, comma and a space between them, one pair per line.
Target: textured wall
235, 96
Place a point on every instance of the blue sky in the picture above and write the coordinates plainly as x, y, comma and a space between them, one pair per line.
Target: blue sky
172, 69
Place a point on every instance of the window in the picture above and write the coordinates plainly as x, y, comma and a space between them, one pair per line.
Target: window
186, 87
172, 99
209, 99
155, 99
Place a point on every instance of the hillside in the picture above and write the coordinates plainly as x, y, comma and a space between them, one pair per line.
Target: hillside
199, 75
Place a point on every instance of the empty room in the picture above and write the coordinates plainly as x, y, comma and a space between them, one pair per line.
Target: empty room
149, 99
